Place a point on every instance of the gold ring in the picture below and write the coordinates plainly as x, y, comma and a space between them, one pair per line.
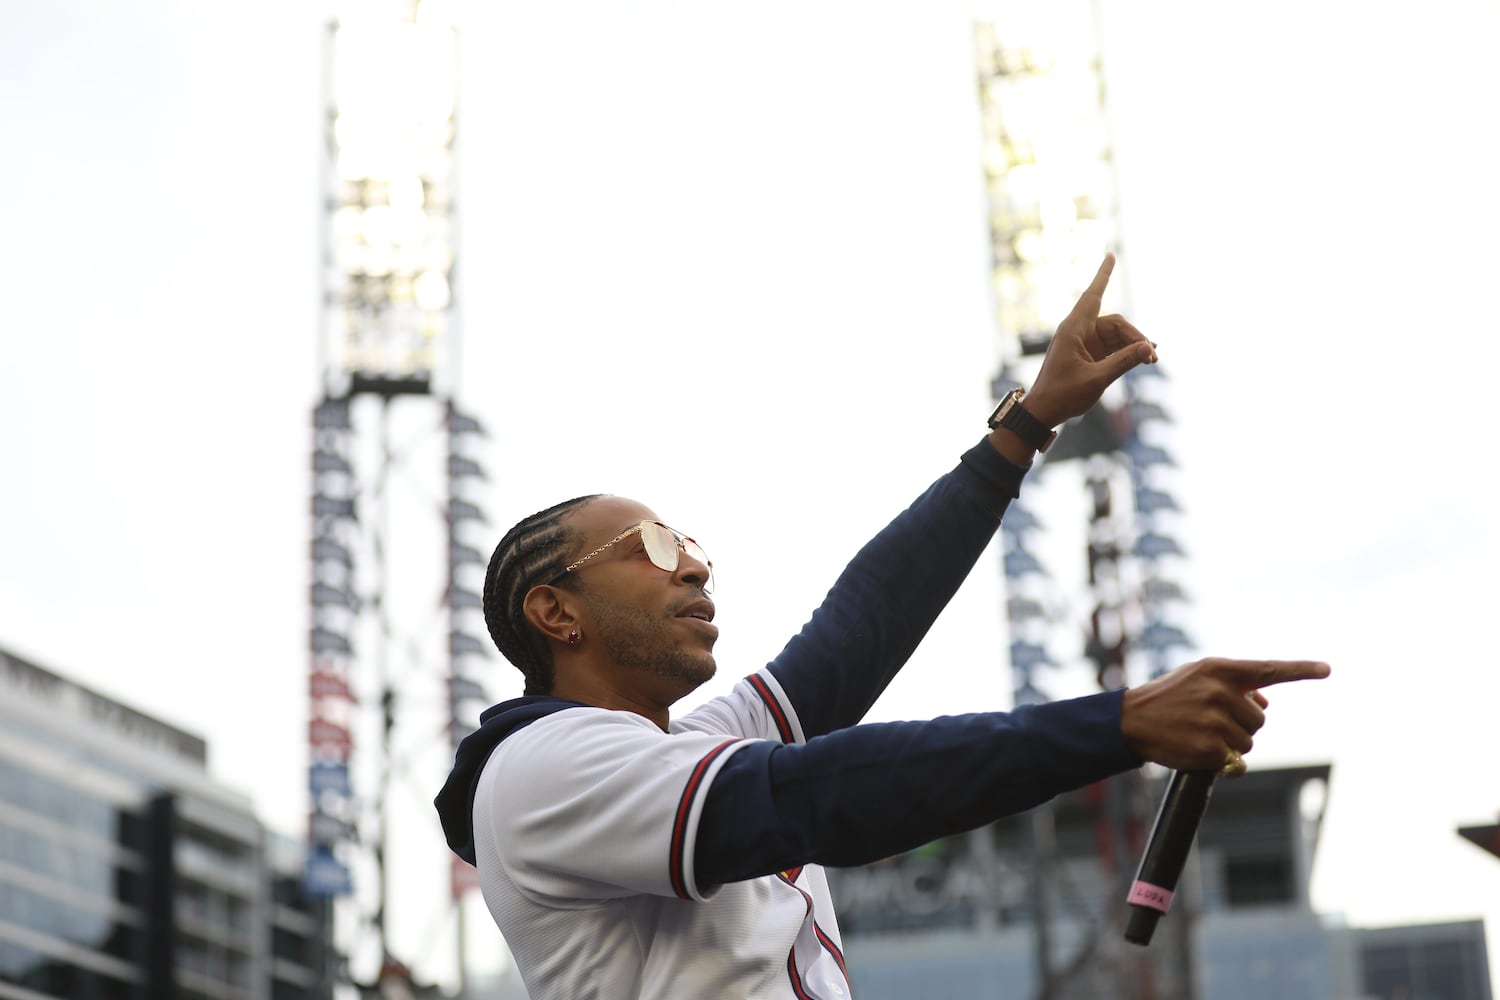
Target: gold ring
1234, 765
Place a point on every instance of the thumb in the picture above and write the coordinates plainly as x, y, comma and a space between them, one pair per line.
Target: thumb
1120, 362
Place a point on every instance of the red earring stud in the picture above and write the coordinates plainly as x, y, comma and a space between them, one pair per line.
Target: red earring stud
573, 638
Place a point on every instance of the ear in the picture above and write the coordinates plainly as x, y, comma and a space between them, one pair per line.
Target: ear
548, 612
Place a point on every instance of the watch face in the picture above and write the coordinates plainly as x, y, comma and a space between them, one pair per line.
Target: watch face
998, 414
1011, 415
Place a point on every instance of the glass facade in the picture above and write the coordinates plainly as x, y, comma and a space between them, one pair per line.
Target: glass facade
125, 873
1438, 961
72, 921
53, 976
1273, 952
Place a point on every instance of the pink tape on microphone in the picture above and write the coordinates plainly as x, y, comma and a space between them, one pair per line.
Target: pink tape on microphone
1146, 894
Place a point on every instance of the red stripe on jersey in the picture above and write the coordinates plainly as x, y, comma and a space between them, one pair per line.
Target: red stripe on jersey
679, 826
823, 939
763, 689
792, 874
833, 949
791, 958
791, 970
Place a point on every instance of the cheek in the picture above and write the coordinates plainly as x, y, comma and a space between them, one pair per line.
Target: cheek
627, 623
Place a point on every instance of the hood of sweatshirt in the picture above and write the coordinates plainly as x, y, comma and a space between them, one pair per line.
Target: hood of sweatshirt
455, 802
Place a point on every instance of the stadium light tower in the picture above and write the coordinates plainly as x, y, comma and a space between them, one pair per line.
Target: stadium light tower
392, 656
1050, 189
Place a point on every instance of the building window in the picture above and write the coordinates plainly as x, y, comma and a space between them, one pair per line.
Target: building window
21, 966
1258, 881
1418, 969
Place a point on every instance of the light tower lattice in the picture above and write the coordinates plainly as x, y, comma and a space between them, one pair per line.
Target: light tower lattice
1051, 198
396, 488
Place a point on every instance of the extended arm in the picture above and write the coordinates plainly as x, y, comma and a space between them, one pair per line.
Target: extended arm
871, 791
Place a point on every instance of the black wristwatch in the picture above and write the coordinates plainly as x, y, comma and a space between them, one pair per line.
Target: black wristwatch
1014, 417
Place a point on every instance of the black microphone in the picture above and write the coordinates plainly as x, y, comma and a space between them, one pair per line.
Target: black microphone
1166, 852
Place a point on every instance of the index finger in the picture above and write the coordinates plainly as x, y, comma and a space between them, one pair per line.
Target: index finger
1093, 296
1263, 673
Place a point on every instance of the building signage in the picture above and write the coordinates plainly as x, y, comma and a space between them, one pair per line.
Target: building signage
64, 698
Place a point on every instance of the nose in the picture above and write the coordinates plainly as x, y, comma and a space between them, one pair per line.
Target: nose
691, 571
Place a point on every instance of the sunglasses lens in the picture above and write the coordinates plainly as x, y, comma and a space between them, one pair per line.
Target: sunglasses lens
661, 545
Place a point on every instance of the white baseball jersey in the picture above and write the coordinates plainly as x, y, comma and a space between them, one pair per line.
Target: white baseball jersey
585, 822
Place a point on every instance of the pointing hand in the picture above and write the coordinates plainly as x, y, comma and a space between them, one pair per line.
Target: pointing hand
1087, 354
1192, 717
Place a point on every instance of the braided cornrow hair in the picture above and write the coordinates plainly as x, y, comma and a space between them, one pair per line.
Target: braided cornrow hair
532, 552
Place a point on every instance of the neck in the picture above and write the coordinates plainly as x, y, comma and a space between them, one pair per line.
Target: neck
603, 689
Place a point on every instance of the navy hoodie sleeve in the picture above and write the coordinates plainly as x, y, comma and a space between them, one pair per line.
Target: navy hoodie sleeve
868, 792
858, 793
892, 591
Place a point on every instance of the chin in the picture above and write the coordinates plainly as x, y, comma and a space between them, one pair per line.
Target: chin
706, 668
696, 667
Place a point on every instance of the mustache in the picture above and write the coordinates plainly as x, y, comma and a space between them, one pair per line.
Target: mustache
698, 597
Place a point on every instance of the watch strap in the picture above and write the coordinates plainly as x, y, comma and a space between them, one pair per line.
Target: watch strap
1015, 418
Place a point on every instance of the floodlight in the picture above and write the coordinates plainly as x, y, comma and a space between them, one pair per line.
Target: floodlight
389, 256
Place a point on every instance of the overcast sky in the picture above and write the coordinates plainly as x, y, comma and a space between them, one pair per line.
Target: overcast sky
730, 261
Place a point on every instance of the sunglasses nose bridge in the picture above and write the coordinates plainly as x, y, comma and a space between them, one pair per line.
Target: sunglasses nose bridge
693, 566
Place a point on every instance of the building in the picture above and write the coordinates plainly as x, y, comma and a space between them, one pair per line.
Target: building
126, 873
1436, 960
957, 918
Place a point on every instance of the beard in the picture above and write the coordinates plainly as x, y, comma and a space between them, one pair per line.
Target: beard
641, 641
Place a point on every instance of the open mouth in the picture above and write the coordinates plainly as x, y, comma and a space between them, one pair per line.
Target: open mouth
702, 611
701, 614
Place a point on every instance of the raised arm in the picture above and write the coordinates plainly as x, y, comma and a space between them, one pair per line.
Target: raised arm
887, 598
889, 595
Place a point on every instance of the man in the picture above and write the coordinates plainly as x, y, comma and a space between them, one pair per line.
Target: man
627, 854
